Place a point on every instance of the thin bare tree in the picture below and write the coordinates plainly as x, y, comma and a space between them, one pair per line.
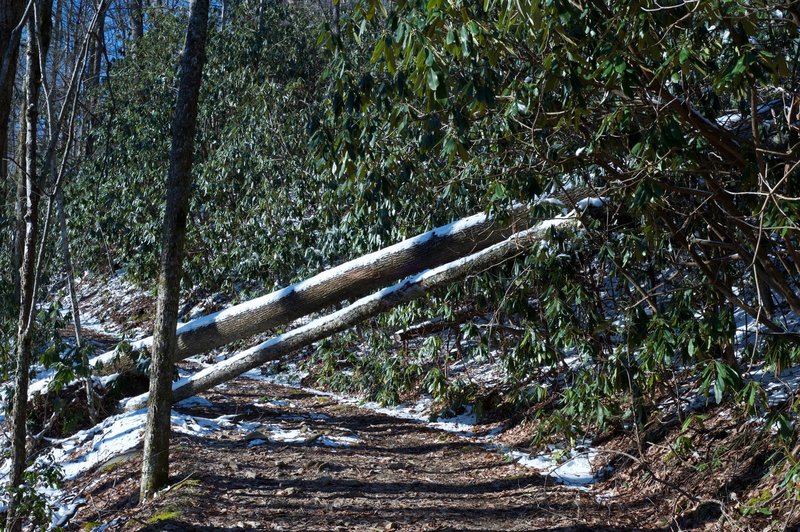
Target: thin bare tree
38, 44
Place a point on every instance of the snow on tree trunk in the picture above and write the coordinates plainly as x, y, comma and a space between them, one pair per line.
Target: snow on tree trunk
365, 308
349, 280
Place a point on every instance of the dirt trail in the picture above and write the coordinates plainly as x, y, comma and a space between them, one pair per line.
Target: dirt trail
346, 469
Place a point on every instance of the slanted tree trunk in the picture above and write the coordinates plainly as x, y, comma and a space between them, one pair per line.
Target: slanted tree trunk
363, 309
350, 280
155, 462
33, 191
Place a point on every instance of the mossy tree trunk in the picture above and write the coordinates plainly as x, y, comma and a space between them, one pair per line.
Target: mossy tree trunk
155, 463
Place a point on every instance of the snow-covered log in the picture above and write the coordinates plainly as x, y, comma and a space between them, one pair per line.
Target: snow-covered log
367, 307
349, 280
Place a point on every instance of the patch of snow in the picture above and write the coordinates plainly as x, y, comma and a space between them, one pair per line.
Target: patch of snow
291, 375
303, 417
487, 373
576, 471
461, 424
89, 448
105, 526
594, 203
339, 441
779, 388
64, 512
274, 403
195, 401
106, 380
278, 433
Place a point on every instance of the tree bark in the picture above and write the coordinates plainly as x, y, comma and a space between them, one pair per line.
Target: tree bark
155, 461
365, 308
18, 243
27, 283
73, 299
96, 50
336, 16
350, 280
137, 18
10, 16
11, 23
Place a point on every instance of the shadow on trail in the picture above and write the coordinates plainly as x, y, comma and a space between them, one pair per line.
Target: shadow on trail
328, 485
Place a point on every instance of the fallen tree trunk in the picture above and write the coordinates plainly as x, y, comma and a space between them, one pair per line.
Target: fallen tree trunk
350, 280
367, 307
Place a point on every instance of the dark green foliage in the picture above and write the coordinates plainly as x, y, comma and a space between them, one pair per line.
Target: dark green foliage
310, 152
441, 107
254, 198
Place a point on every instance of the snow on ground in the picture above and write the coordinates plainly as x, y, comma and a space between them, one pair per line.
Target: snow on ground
574, 468
195, 401
115, 289
276, 433
290, 375
115, 439
779, 388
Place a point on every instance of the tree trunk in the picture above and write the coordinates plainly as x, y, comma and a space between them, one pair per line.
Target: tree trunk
137, 18
357, 312
97, 49
336, 16
155, 461
18, 244
350, 280
10, 15
27, 282
73, 299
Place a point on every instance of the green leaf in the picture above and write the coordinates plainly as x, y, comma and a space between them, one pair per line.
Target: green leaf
434, 4
433, 79
378, 51
684, 55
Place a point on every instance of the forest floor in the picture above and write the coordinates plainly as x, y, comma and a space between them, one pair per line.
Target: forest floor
293, 460
333, 466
